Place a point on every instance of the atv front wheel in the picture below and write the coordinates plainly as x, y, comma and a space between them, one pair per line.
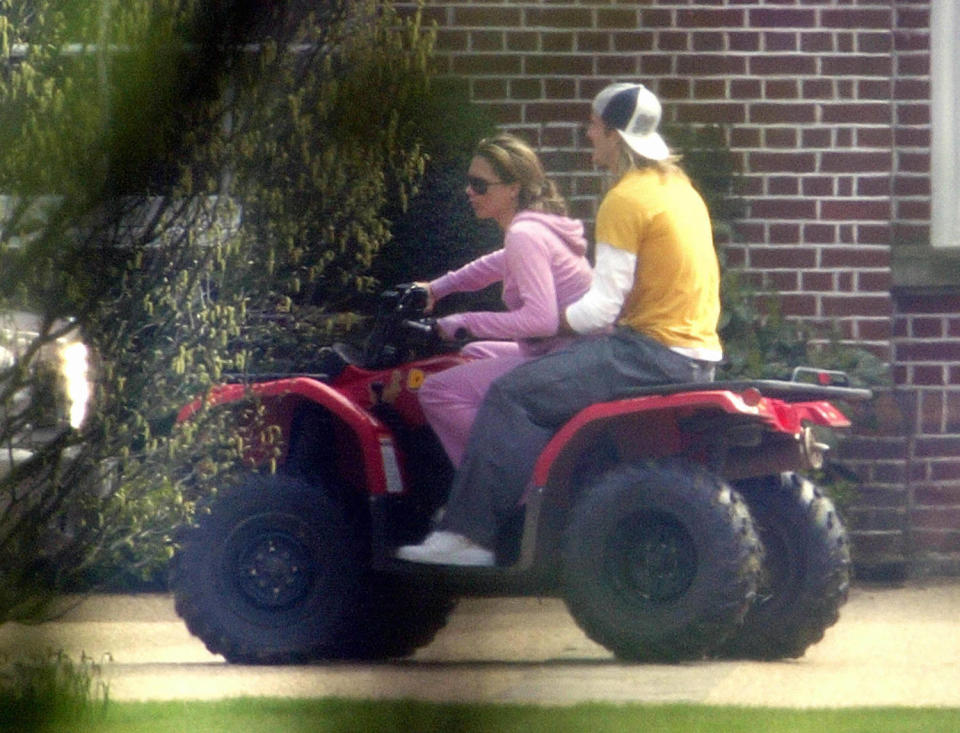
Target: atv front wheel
661, 561
806, 569
277, 573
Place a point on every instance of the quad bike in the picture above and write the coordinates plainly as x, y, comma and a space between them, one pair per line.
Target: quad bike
670, 520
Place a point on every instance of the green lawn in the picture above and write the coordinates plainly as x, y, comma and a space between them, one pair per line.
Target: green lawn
270, 715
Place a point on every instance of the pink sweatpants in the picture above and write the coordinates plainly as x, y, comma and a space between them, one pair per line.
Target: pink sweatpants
450, 399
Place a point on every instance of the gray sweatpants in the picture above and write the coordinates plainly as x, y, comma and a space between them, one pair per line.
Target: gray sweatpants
525, 407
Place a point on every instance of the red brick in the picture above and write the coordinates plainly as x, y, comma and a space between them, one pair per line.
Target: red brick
870, 42
486, 40
487, 16
703, 42
874, 137
707, 64
488, 89
855, 257
558, 17
817, 42
952, 417
498, 63
912, 209
556, 42
856, 18
817, 137
875, 282
566, 64
713, 114
927, 376
783, 64
936, 351
875, 330
820, 233
802, 305
633, 41
817, 186
748, 41
776, 89
763, 162
745, 89
710, 18
782, 18
783, 234
923, 303
796, 208
617, 18
781, 281
709, 89
855, 162
783, 186
655, 18
873, 186
855, 209
593, 41
860, 305
792, 113
781, 257
523, 40
673, 41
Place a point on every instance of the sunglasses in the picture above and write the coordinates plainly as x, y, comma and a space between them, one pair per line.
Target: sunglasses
480, 185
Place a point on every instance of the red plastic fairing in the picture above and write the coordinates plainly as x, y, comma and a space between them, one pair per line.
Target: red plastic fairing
368, 430
662, 412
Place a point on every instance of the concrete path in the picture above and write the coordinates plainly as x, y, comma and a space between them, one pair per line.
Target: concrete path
892, 646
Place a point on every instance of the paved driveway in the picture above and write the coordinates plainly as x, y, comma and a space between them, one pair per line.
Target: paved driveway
892, 646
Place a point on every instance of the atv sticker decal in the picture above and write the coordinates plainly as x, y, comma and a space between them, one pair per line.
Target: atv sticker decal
415, 379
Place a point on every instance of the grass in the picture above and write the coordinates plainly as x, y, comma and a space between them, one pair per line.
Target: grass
271, 715
53, 694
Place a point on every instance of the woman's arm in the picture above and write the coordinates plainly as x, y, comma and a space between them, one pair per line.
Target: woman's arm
528, 272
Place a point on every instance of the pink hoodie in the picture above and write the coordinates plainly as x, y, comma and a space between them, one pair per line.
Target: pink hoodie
543, 267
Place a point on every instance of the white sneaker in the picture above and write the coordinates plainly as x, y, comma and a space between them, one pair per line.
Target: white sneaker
447, 548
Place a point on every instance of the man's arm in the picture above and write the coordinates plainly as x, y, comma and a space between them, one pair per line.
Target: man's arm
599, 307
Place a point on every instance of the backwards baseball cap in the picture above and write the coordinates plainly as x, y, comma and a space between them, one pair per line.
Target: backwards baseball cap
634, 112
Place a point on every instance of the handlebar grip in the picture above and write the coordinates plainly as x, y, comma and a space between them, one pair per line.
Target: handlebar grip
424, 326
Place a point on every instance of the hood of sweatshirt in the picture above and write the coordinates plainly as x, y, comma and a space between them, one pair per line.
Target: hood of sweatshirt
569, 231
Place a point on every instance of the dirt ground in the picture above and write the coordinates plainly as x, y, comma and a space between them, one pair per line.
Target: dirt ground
893, 646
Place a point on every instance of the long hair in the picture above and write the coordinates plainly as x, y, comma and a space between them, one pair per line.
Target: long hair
628, 159
516, 162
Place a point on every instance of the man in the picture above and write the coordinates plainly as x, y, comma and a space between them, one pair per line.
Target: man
650, 317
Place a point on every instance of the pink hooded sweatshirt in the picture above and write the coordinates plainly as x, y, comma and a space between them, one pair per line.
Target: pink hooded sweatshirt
544, 269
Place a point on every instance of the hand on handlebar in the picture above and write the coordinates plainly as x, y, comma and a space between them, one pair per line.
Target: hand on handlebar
451, 329
431, 301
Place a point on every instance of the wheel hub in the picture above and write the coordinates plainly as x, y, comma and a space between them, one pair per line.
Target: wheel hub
652, 557
274, 570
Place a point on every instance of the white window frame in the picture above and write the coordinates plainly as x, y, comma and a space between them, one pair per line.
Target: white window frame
945, 122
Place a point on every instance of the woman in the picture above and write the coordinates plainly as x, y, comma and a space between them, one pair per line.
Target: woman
542, 266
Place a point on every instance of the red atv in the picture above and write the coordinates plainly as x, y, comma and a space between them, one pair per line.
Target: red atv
670, 520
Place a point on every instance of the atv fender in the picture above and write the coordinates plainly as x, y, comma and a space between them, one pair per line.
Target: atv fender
371, 441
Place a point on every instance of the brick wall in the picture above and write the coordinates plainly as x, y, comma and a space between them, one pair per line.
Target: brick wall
826, 106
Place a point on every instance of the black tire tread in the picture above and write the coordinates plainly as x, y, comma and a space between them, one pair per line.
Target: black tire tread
785, 621
724, 585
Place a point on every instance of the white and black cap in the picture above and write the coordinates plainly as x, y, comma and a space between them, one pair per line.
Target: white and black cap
634, 112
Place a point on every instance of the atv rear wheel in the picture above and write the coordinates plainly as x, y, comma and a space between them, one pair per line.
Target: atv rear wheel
806, 569
660, 561
277, 573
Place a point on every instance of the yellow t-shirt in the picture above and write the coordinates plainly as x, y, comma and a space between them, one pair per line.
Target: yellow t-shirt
660, 218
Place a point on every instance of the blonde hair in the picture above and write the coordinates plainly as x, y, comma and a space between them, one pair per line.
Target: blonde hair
516, 162
628, 159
